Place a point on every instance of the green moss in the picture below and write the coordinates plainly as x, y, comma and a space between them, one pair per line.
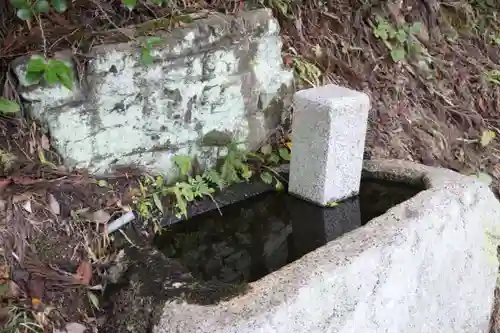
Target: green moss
216, 138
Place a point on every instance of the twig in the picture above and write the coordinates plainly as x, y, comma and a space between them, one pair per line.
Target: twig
43, 35
111, 21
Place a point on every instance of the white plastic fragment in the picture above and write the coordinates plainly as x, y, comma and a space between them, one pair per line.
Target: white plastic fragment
120, 222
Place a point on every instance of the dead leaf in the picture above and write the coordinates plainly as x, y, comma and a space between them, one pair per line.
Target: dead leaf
22, 197
54, 205
27, 206
487, 137
3, 184
4, 290
102, 183
100, 216
5, 314
84, 273
94, 300
14, 290
98, 287
111, 201
158, 203
266, 149
4, 272
36, 289
125, 208
4, 281
72, 328
45, 142
318, 52
41, 318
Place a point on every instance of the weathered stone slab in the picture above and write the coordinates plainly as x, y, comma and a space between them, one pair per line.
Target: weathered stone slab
328, 134
424, 266
215, 80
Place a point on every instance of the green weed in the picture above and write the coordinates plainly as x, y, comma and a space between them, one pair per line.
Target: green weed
492, 76
8, 107
400, 40
52, 71
305, 72
236, 166
146, 49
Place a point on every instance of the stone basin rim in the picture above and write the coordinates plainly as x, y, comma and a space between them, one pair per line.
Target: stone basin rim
378, 232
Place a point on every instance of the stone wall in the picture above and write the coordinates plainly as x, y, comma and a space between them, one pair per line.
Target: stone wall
216, 80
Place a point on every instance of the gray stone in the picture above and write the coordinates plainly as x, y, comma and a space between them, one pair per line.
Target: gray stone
328, 134
215, 80
425, 266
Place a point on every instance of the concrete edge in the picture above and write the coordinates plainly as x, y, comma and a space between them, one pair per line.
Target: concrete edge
411, 173
379, 232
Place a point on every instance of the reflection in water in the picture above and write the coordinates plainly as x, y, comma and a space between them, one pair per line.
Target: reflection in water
260, 235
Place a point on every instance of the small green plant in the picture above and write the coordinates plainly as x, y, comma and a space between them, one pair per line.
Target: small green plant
52, 71
284, 7
332, 203
305, 72
400, 40
8, 107
146, 49
131, 4
270, 157
27, 9
6, 160
492, 76
495, 39
235, 167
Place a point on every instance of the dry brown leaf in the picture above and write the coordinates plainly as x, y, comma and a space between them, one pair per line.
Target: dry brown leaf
112, 201
100, 216
54, 205
36, 289
27, 206
45, 142
4, 280
4, 272
14, 290
487, 137
84, 273
22, 197
3, 184
72, 328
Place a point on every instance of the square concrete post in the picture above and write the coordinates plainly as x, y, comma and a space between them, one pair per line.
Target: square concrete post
328, 138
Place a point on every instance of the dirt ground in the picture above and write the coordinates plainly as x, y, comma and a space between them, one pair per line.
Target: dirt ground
433, 108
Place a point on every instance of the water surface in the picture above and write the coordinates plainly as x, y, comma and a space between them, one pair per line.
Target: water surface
260, 235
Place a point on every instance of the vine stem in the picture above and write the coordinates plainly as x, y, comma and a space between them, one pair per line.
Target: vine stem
44, 41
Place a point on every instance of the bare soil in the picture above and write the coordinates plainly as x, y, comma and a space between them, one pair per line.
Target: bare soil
434, 114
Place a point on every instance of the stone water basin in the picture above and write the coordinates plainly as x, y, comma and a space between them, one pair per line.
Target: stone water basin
418, 261
249, 239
